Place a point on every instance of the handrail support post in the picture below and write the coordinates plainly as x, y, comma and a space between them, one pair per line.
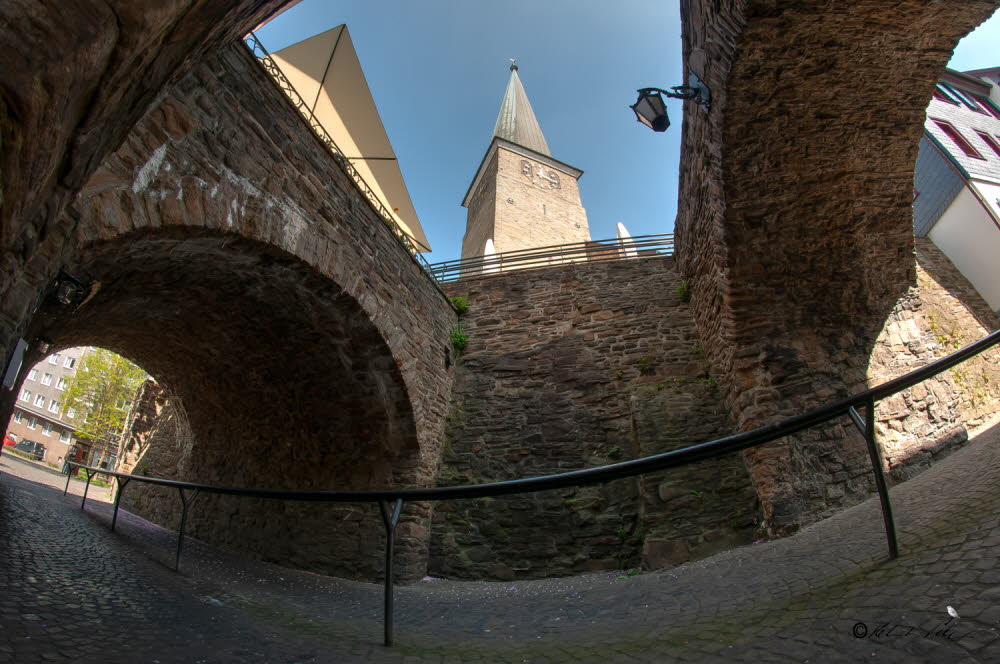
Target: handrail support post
185, 504
866, 426
90, 476
69, 476
122, 483
390, 519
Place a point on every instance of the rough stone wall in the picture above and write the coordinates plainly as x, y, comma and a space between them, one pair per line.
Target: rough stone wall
697, 510
941, 314
158, 440
76, 77
794, 218
236, 262
574, 367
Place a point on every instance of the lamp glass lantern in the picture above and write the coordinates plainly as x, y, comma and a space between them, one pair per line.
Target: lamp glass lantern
651, 110
67, 292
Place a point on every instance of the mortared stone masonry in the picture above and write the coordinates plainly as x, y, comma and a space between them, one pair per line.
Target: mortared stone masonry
574, 367
794, 223
230, 256
300, 345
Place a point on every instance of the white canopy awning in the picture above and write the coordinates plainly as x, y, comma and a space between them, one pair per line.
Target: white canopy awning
326, 73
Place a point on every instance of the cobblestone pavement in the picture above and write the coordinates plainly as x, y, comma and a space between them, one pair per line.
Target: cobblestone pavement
74, 590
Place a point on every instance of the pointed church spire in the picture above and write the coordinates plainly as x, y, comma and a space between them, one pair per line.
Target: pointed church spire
516, 122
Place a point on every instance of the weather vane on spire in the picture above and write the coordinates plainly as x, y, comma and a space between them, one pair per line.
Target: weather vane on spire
513, 64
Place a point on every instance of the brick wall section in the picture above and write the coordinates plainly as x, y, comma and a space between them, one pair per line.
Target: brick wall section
307, 348
530, 212
794, 220
522, 212
481, 214
559, 364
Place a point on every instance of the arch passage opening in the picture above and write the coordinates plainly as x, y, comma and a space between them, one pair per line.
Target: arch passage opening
270, 376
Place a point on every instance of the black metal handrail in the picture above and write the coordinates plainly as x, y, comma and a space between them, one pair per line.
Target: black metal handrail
274, 71
391, 501
591, 251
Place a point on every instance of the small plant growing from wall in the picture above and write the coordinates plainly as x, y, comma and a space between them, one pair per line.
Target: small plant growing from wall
458, 340
682, 292
460, 304
645, 363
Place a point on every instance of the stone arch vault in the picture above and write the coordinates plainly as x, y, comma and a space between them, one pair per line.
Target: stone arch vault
231, 257
794, 225
131, 128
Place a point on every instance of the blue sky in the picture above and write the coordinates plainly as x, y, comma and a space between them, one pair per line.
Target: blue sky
438, 68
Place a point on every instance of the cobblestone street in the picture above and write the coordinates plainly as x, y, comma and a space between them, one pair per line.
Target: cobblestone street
72, 590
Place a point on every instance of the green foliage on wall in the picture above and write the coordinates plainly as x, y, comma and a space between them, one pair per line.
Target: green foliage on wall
682, 292
460, 304
458, 340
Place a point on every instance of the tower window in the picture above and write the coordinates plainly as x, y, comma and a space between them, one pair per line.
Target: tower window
958, 139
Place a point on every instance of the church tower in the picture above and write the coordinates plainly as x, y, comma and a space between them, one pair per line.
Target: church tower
521, 198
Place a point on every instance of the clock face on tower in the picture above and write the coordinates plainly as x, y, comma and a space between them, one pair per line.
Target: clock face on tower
540, 175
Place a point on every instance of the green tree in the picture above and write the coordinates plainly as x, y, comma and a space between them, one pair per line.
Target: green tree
101, 393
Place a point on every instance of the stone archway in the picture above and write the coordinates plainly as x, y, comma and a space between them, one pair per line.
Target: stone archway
285, 382
223, 178
794, 223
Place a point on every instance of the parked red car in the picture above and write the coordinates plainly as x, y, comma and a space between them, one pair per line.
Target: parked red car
9, 440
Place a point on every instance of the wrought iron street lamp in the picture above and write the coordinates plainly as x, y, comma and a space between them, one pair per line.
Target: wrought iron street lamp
69, 289
651, 110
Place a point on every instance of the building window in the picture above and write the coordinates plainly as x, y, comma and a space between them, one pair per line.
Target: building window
968, 100
54, 406
54, 359
25, 395
31, 423
990, 141
18, 416
64, 436
47, 428
33, 374
47, 379
942, 93
39, 400
71, 412
957, 138
61, 385
70, 362
989, 106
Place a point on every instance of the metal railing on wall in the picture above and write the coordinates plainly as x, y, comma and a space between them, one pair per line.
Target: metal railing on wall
592, 251
274, 71
860, 409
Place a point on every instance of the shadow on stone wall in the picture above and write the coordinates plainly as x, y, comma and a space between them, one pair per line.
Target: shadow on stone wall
794, 224
575, 367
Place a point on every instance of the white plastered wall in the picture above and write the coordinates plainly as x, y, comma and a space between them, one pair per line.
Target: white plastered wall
970, 238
